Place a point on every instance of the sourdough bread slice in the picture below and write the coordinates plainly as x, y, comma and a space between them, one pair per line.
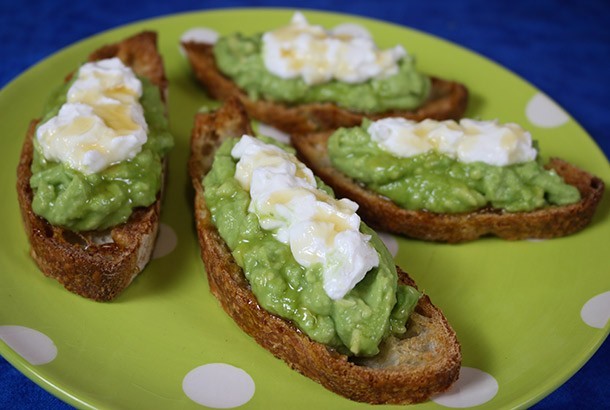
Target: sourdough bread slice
409, 369
382, 213
96, 265
447, 100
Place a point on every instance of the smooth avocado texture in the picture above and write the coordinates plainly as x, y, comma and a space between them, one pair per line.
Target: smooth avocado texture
438, 183
355, 324
68, 198
240, 58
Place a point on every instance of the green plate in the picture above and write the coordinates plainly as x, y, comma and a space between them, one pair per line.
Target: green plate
524, 312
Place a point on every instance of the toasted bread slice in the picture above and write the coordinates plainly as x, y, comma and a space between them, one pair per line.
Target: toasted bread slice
96, 265
410, 369
447, 100
382, 213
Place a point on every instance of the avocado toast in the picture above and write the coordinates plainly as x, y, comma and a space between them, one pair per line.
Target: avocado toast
98, 263
409, 368
542, 223
330, 103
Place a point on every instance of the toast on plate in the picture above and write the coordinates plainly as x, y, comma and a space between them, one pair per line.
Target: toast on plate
382, 213
446, 100
409, 369
97, 264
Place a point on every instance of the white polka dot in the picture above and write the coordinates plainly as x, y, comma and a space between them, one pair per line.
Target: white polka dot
218, 385
269, 131
596, 312
474, 387
166, 241
351, 29
544, 112
390, 242
198, 35
33, 346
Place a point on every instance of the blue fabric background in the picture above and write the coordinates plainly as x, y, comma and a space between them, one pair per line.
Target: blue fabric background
562, 47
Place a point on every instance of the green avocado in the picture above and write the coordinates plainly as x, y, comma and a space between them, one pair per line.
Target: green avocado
240, 58
68, 198
438, 183
377, 307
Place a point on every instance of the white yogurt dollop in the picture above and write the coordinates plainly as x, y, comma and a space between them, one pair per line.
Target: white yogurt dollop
102, 122
318, 56
318, 228
467, 141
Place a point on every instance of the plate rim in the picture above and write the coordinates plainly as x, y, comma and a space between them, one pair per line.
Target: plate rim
63, 393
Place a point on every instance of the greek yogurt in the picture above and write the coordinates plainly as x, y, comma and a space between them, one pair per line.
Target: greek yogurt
318, 56
467, 141
318, 228
102, 121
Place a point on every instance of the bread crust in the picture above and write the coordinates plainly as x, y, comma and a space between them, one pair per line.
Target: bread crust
408, 370
382, 213
447, 100
96, 265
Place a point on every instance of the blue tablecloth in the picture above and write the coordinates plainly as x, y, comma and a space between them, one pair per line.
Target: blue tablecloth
563, 48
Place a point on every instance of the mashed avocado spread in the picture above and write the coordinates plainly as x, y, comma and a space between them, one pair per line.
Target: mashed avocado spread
438, 183
66, 197
357, 323
240, 58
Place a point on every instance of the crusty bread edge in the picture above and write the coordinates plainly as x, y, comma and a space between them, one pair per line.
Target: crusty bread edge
96, 265
382, 213
447, 100
314, 360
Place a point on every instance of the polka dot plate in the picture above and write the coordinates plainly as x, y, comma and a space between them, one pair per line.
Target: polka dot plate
528, 314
